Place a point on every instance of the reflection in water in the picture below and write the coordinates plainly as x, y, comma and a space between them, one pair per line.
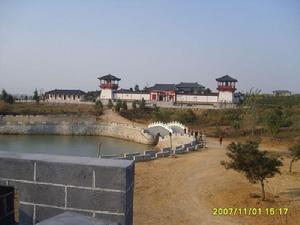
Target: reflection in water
68, 145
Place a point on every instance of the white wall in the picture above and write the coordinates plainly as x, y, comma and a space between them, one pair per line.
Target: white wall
68, 98
225, 96
196, 98
106, 94
132, 96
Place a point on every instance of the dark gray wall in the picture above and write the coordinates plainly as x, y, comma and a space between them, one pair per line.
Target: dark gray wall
50, 184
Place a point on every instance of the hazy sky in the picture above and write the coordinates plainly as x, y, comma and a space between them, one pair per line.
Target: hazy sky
68, 44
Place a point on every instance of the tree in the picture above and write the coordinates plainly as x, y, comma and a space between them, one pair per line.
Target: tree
251, 107
118, 105
256, 165
4, 95
136, 87
274, 120
295, 154
99, 108
134, 104
36, 96
8, 98
142, 104
110, 104
207, 91
161, 115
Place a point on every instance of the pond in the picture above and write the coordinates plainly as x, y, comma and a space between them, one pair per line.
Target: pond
68, 145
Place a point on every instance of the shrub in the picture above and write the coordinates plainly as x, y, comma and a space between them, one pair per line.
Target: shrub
99, 108
124, 105
110, 104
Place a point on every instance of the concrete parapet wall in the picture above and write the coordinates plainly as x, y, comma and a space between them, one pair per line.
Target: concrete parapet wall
150, 152
49, 185
142, 158
179, 151
162, 154
131, 155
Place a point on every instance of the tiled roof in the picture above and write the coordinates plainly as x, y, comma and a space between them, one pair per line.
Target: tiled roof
163, 87
226, 78
281, 91
66, 92
189, 85
109, 77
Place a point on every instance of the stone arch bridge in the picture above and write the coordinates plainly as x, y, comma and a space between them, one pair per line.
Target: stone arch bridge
165, 128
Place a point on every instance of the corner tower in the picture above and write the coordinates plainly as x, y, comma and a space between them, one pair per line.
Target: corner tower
108, 85
226, 88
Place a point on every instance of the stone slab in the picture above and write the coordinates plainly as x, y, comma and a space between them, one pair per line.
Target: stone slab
89, 161
71, 218
16, 168
96, 200
40, 193
67, 174
114, 177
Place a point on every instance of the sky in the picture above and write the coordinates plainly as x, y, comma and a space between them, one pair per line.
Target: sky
68, 44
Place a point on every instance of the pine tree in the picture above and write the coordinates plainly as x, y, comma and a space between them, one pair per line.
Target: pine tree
36, 96
256, 165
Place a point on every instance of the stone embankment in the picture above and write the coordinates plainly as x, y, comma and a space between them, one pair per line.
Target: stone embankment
63, 125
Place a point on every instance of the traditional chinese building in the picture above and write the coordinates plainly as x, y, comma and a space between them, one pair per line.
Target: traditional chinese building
182, 93
64, 96
226, 88
282, 93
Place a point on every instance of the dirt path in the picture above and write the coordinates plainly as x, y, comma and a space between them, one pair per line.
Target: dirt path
183, 190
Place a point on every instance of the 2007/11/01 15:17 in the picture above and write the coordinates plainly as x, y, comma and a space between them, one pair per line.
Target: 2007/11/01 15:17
249, 211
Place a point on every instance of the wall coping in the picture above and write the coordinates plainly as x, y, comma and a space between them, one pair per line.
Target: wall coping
67, 159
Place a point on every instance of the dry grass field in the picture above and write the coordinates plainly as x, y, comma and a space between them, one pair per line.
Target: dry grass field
45, 108
185, 189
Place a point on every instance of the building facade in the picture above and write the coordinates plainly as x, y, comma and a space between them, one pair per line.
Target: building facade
64, 96
182, 93
282, 93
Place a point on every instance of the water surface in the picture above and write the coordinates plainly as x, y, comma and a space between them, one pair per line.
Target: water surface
68, 145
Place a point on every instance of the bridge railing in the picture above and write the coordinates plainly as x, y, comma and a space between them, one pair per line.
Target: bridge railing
177, 124
160, 124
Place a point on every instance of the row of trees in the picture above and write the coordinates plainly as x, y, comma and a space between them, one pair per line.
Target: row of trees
253, 112
256, 165
122, 105
9, 98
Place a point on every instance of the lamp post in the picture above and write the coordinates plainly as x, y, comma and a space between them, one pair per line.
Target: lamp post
170, 135
99, 150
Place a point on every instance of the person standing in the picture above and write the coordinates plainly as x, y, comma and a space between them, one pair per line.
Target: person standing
221, 140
